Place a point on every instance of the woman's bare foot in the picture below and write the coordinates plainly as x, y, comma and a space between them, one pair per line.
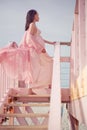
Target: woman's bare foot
30, 92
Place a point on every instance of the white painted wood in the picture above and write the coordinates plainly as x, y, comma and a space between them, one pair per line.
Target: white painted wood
86, 26
78, 104
28, 104
32, 96
41, 127
25, 115
55, 104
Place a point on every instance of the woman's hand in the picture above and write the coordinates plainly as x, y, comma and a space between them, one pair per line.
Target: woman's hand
53, 42
43, 51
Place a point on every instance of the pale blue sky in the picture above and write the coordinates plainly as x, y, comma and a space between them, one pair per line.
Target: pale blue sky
56, 19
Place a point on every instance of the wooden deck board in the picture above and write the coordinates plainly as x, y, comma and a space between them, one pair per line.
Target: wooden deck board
65, 97
25, 115
9, 127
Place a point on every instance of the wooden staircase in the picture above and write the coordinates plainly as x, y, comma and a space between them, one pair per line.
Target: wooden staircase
20, 109
28, 112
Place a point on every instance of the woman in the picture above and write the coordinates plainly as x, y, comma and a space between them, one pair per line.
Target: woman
40, 74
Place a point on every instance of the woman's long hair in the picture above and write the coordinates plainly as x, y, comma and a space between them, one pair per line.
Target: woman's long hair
29, 18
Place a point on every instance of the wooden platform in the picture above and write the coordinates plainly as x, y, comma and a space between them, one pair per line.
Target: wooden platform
65, 97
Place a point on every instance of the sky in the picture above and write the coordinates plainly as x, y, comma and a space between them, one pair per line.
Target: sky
56, 19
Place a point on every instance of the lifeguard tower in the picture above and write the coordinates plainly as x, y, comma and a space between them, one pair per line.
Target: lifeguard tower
20, 111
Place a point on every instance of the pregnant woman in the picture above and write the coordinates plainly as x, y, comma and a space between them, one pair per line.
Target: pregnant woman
40, 74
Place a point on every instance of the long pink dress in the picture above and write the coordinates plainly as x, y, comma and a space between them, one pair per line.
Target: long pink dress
41, 64
27, 63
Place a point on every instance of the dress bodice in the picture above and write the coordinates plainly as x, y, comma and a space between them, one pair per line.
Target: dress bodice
37, 37
38, 32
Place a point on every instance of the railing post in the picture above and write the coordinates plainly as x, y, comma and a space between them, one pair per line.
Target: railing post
55, 103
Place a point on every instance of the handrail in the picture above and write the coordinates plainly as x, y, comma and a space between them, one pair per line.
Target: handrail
65, 43
55, 103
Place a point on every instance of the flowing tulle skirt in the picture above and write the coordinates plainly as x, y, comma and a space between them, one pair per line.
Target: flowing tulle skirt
26, 65
41, 70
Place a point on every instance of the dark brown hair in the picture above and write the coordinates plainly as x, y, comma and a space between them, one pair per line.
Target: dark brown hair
29, 18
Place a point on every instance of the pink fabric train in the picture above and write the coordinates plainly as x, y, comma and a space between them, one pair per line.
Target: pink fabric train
27, 63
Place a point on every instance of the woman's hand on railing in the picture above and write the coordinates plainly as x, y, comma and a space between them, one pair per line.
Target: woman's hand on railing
53, 43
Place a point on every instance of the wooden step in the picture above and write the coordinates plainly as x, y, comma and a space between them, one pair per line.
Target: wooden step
25, 115
28, 104
35, 96
8, 127
31, 98
65, 97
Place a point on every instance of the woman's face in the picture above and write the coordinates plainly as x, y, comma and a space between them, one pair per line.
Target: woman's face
36, 17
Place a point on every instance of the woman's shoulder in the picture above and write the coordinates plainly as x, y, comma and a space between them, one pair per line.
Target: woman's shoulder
32, 28
32, 24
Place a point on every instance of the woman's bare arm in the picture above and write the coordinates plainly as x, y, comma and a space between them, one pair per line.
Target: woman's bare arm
49, 42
